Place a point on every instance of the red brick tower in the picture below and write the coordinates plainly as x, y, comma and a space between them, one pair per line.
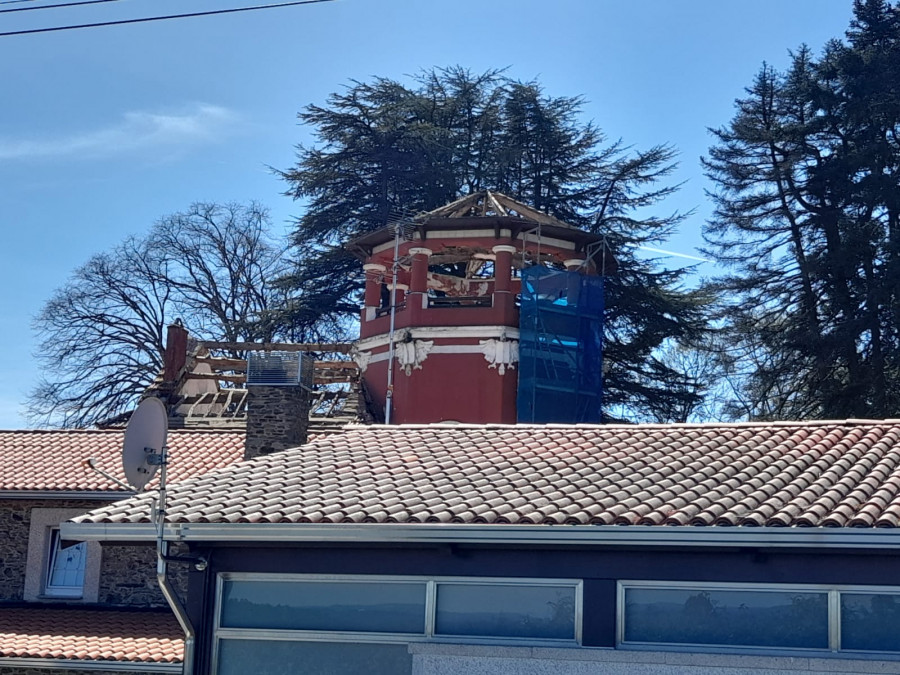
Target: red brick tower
456, 323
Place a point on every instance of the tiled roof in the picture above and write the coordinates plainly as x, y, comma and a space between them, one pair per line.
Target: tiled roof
92, 635
834, 474
56, 460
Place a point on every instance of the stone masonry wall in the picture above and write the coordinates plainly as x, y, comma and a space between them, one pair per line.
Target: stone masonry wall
277, 419
128, 576
15, 521
127, 573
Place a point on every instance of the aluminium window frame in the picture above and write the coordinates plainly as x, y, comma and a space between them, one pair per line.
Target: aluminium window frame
431, 583
833, 592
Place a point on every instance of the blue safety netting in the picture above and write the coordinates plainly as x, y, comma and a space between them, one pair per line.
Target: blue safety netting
560, 347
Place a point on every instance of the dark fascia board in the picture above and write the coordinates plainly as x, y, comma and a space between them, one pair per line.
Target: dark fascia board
91, 666
105, 495
519, 535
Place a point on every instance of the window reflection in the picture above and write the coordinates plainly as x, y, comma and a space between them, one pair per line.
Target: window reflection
546, 612
726, 617
870, 622
325, 606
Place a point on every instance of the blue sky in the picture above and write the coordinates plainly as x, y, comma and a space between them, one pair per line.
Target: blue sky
104, 130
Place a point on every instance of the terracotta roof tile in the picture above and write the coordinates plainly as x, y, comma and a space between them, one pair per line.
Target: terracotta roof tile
95, 635
834, 474
55, 460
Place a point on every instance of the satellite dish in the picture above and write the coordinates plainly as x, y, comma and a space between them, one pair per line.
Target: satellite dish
145, 438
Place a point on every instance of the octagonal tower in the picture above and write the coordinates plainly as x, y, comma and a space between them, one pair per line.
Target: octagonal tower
452, 317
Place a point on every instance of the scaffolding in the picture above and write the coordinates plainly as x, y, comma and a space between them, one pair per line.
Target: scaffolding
560, 347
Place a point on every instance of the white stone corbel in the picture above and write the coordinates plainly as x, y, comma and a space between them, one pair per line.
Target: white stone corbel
361, 358
410, 355
500, 354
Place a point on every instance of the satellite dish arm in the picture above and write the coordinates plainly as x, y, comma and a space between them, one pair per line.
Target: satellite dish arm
92, 463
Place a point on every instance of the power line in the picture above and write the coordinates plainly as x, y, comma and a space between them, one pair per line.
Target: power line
166, 17
62, 4
13, 2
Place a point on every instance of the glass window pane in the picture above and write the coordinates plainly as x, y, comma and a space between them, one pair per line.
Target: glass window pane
870, 622
383, 606
506, 611
239, 657
724, 617
65, 573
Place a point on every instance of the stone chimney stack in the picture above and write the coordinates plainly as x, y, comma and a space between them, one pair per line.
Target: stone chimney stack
277, 412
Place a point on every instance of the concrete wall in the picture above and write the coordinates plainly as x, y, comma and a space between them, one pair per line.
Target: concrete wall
432, 659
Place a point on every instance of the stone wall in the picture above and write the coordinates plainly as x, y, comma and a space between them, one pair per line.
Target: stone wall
15, 522
127, 573
128, 576
277, 419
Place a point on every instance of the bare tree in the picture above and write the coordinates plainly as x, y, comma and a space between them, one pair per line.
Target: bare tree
102, 334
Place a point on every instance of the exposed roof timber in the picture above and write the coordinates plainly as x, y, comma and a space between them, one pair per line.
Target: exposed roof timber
483, 202
528, 212
340, 347
222, 363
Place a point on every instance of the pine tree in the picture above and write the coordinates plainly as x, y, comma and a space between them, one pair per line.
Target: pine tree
806, 216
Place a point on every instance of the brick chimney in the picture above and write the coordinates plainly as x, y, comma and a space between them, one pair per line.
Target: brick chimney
175, 356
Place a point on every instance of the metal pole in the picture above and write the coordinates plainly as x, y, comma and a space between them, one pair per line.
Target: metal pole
388, 400
162, 571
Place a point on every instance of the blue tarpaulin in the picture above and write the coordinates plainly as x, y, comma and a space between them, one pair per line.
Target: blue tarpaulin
560, 347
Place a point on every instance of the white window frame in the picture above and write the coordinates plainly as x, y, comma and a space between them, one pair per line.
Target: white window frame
54, 550
431, 584
833, 592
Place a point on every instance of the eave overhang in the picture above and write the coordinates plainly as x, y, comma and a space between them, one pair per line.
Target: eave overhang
493, 535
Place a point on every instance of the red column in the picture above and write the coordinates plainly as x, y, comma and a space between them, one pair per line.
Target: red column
503, 297
400, 293
573, 264
374, 278
418, 281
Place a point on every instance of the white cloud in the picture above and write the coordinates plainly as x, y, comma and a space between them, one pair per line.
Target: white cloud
135, 131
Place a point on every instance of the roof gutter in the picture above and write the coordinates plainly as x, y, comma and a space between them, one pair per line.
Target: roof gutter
92, 666
111, 495
529, 535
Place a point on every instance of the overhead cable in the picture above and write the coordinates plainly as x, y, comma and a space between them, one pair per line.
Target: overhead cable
166, 17
33, 8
